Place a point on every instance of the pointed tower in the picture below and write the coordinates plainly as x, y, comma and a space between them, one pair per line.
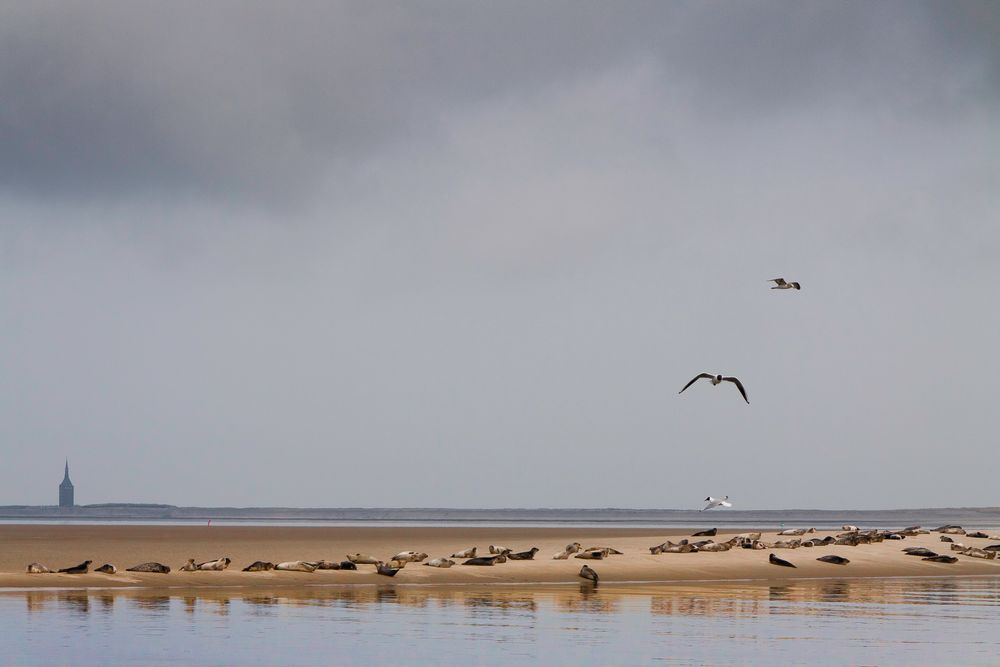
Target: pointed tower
66, 489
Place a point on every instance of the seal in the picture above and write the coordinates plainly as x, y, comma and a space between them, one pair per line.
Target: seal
398, 564
793, 531
348, 565
82, 568
107, 568
189, 566
774, 560
385, 570
591, 555
974, 552
494, 549
468, 553
941, 559
215, 565
978, 533
567, 552
295, 566
151, 566
325, 564
259, 566
608, 551
486, 560
835, 560
945, 538
524, 555
711, 532
362, 559
439, 562
38, 568
849, 528
923, 552
588, 573
409, 557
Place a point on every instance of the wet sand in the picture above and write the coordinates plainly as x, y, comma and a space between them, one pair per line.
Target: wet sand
65, 545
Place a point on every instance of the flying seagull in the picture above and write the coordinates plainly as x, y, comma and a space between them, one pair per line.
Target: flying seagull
781, 284
716, 502
716, 379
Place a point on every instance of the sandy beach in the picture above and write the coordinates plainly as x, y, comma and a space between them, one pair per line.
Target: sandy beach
66, 545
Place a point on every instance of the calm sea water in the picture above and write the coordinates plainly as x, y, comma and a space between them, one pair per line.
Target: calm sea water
886, 622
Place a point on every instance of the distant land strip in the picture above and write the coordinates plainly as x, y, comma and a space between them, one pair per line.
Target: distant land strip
979, 516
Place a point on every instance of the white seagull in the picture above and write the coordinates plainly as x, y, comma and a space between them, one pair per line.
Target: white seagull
716, 379
716, 502
781, 284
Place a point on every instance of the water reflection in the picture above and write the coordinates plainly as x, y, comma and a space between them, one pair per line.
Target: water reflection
686, 623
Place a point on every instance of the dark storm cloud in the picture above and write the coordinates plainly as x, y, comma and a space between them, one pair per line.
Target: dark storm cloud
242, 99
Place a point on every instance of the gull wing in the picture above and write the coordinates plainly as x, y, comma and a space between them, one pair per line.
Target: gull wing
726, 503
739, 385
695, 379
707, 507
780, 281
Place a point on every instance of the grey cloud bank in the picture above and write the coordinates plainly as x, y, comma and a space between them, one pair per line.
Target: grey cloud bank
466, 255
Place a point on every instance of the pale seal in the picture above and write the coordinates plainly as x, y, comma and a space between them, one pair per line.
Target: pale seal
409, 556
468, 553
152, 566
591, 555
215, 565
295, 566
793, 531
835, 560
848, 527
495, 549
774, 560
524, 555
588, 573
82, 568
38, 568
439, 562
567, 552
259, 566
189, 566
973, 552
362, 559
107, 568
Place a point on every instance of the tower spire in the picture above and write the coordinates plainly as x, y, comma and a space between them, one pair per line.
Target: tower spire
66, 474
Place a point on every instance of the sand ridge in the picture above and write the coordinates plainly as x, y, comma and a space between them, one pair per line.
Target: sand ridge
59, 546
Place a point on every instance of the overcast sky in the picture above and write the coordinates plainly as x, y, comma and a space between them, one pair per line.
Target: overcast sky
465, 254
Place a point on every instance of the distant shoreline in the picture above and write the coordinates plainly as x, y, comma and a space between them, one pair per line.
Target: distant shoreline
158, 514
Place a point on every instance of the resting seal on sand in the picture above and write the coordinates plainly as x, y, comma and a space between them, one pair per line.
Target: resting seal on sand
524, 555
152, 566
919, 551
348, 565
495, 549
295, 566
38, 568
567, 552
409, 556
592, 555
82, 568
836, 560
385, 570
259, 566
945, 538
439, 562
973, 552
485, 560
711, 532
324, 564
215, 565
468, 553
362, 559
774, 560
941, 559
107, 568
849, 528
588, 573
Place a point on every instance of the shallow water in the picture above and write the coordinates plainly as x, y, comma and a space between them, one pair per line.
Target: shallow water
850, 621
